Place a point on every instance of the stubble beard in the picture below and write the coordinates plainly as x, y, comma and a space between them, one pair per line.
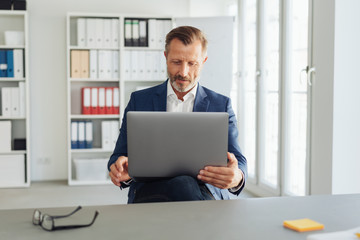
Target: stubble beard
178, 88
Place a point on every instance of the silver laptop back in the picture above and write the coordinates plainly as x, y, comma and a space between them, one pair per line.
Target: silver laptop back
168, 144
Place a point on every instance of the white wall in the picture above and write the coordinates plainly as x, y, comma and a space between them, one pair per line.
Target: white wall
335, 158
346, 136
47, 36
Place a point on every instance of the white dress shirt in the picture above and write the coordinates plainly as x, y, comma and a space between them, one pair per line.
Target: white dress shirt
173, 104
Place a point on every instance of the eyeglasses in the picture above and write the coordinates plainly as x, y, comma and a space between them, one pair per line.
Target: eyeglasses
47, 221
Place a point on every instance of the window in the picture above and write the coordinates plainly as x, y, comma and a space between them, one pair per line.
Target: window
273, 96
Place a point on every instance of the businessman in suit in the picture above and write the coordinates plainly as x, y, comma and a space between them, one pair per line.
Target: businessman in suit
185, 53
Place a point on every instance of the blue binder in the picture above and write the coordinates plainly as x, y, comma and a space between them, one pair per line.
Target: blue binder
10, 63
3, 63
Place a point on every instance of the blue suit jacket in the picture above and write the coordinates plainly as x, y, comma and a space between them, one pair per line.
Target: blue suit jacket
154, 99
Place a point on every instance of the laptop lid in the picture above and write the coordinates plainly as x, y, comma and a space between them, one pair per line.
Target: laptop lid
169, 144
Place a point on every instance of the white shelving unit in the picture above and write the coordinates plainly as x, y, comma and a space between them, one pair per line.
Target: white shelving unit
20, 125
126, 86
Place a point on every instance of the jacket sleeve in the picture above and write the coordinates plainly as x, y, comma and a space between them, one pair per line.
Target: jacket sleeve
233, 143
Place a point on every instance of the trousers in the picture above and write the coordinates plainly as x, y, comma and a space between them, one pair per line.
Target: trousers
181, 188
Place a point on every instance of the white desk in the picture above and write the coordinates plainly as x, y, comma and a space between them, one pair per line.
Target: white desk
257, 218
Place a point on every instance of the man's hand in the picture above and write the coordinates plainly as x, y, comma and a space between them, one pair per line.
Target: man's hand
119, 171
223, 177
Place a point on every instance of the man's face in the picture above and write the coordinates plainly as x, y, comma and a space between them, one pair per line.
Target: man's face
184, 64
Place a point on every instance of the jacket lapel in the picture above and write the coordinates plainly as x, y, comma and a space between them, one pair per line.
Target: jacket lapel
201, 103
160, 98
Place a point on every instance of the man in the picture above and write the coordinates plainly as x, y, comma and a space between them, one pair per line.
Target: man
185, 52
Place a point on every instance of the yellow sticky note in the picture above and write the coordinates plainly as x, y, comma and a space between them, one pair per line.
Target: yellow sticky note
303, 225
357, 234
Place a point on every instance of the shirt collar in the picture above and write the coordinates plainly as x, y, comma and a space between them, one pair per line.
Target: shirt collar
171, 93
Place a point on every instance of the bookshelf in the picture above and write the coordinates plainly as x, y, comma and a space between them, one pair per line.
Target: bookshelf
130, 70
14, 100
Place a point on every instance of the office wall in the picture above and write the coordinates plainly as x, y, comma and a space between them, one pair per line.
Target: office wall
335, 112
346, 143
47, 19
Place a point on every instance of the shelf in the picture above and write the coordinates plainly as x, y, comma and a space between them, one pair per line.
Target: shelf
13, 152
12, 118
95, 116
12, 46
144, 80
93, 80
78, 182
143, 48
92, 48
91, 150
12, 79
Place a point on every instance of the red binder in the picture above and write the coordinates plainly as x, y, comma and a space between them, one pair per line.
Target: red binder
94, 100
116, 100
101, 91
109, 108
85, 103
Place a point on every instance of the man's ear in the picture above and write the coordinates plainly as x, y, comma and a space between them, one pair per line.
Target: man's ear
165, 54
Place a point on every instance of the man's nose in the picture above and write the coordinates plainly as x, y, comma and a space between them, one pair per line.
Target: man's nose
184, 70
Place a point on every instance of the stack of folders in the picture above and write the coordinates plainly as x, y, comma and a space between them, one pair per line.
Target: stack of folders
12, 63
81, 134
98, 32
13, 102
94, 64
100, 100
109, 134
142, 32
144, 65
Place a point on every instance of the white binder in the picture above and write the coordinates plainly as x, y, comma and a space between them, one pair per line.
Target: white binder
162, 66
142, 33
155, 64
159, 34
91, 32
134, 65
107, 39
105, 135
127, 65
81, 32
104, 63
148, 65
115, 65
116, 97
99, 32
74, 134
22, 100
81, 134
93, 64
18, 63
115, 33
141, 65
152, 33
128, 34
89, 134
135, 33
15, 102
5, 136
114, 132
6, 102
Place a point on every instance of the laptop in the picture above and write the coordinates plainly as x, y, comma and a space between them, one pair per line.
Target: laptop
169, 144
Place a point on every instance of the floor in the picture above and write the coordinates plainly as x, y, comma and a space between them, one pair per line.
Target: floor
59, 194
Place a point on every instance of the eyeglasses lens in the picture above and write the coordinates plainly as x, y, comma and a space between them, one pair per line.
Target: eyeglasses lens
36, 217
47, 222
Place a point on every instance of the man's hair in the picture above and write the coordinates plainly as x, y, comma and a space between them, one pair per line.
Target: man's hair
187, 35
